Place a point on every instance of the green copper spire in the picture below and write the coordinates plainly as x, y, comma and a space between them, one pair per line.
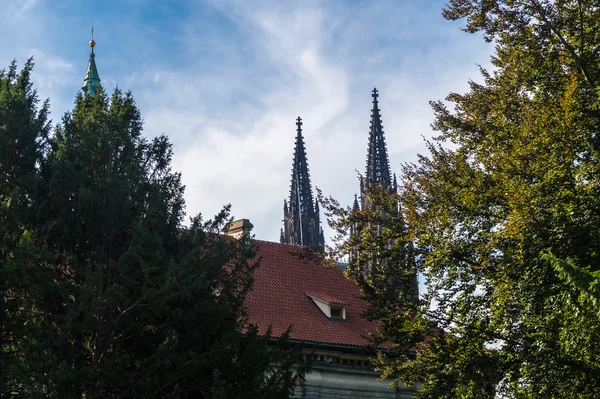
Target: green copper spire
91, 82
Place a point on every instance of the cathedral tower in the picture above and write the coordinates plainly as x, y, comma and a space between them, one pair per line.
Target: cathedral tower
378, 174
378, 166
301, 224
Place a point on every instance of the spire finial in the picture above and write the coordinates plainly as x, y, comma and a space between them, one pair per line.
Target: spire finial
375, 94
299, 124
92, 42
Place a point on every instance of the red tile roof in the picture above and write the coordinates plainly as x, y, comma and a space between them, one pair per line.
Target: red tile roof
280, 298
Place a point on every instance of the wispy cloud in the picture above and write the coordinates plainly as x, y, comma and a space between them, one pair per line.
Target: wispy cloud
244, 155
20, 7
52, 70
227, 79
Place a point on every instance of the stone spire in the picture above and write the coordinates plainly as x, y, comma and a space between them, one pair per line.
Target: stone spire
301, 214
91, 82
355, 205
378, 165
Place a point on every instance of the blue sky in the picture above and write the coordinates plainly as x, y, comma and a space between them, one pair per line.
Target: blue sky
225, 80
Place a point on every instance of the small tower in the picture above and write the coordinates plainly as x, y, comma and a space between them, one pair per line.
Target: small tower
91, 82
301, 224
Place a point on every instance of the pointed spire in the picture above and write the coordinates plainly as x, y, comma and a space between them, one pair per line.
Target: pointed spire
395, 185
355, 206
301, 216
378, 166
91, 82
301, 198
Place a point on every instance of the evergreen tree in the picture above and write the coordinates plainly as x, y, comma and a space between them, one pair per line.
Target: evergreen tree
24, 129
119, 300
504, 215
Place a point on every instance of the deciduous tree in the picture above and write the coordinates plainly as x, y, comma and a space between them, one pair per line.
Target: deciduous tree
504, 214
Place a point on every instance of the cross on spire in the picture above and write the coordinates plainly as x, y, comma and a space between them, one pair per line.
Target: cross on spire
299, 123
375, 94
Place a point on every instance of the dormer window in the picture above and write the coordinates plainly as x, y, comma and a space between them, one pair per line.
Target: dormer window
331, 307
338, 312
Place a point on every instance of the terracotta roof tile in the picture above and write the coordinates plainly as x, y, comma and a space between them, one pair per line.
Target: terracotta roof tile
279, 298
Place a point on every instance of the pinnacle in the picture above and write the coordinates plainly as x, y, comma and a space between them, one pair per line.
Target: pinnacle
378, 169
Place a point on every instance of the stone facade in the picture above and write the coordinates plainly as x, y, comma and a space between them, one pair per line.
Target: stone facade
337, 375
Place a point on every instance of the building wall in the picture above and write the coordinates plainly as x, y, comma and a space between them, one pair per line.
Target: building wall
342, 376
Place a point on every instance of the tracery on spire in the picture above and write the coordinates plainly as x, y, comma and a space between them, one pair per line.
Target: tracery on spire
378, 165
301, 197
301, 215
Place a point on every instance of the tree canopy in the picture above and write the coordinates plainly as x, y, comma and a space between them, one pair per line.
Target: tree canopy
105, 293
503, 217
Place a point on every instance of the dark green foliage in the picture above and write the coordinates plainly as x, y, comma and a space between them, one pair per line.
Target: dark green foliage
23, 135
108, 296
504, 214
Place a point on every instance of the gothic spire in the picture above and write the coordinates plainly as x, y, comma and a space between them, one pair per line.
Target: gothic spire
301, 198
378, 165
301, 215
91, 82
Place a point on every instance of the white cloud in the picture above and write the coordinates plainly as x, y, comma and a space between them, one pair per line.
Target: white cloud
245, 157
51, 70
230, 101
20, 7
240, 151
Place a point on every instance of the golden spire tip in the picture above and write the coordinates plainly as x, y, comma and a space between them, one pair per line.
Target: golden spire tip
92, 42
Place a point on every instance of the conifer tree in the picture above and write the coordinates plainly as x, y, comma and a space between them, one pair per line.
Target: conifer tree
119, 300
24, 129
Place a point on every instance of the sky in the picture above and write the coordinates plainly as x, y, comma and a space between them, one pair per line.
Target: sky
225, 81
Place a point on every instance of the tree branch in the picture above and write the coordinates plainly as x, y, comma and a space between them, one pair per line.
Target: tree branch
568, 47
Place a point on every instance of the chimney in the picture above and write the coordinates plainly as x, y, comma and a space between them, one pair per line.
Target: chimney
238, 228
